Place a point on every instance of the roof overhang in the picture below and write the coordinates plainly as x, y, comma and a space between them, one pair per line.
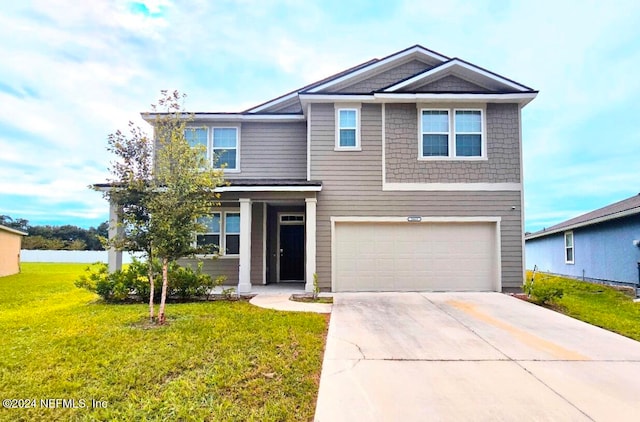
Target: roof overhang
250, 185
415, 52
14, 231
523, 98
614, 216
232, 117
464, 70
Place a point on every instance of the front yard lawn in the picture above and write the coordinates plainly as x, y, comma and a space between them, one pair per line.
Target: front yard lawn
604, 306
213, 361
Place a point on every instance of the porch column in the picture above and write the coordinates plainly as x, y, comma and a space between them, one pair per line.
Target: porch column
244, 279
310, 247
114, 255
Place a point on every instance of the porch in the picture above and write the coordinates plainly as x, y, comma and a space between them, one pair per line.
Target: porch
266, 234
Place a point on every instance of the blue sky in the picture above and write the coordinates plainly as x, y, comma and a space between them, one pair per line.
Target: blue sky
74, 71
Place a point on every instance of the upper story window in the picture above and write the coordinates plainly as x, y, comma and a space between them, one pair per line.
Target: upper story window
347, 128
568, 248
198, 136
451, 133
225, 147
221, 145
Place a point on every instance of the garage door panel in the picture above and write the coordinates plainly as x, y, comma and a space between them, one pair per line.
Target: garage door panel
425, 256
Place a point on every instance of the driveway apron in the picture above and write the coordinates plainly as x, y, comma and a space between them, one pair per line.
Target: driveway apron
471, 356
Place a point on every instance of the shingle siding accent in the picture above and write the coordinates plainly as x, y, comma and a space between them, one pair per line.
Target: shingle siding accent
402, 149
352, 186
273, 151
383, 79
450, 83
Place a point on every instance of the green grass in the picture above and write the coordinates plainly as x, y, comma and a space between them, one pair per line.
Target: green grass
596, 304
213, 361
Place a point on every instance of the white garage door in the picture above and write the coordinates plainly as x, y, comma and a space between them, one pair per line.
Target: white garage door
415, 256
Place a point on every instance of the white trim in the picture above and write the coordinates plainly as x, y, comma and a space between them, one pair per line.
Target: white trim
421, 134
380, 63
456, 63
380, 97
572, 247
264, 243
244, 266
625, 213
224, 233
384, 142
212, 148
522, 220
423, 219
273, 102
234, 117
432, 187
497, 97
291, 222
310, 242
337, 127
279, 224
308, 142
268, 188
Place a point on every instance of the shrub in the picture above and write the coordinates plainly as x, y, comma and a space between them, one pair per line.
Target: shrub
132, 282
543, 291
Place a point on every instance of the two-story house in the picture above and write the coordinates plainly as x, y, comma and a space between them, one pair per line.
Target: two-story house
402, 173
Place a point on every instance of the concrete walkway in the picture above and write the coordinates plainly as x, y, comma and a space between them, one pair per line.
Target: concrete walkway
471, 356
282, 302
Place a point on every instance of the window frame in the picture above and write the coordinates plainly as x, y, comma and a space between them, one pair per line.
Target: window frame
452, 156
219, 233
338, 110
212, 148
567, 248
422, 133
222, 247
226, 233
207, 141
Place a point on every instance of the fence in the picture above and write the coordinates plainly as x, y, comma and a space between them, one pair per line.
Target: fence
27, 255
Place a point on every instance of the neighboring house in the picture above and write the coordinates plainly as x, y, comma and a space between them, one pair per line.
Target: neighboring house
10, 245
601, 245
402, 173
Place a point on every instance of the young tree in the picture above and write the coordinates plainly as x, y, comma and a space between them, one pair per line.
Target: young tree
161, 200
183, 188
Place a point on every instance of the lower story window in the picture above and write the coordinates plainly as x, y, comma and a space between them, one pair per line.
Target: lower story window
221, 235
568, 247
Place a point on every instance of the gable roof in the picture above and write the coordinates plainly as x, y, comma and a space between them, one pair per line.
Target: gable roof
355, 72
624, 208
464, 69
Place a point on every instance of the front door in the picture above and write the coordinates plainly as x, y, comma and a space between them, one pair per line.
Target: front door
291, 252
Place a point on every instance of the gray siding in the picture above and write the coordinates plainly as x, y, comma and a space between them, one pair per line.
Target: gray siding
230, 266
503, 150
449, 83
273, 150
382, 79
352, 186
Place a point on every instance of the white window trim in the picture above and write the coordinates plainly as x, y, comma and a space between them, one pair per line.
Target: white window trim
212, 149
355, 108
223, 235
421, 133
452, 135
224, 230
573, 248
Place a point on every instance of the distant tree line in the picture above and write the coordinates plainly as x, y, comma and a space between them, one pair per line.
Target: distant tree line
65, 237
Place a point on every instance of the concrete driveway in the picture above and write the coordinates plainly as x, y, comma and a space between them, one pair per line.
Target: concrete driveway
471, 356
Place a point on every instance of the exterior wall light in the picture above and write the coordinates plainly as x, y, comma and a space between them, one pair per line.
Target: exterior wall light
414, 219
